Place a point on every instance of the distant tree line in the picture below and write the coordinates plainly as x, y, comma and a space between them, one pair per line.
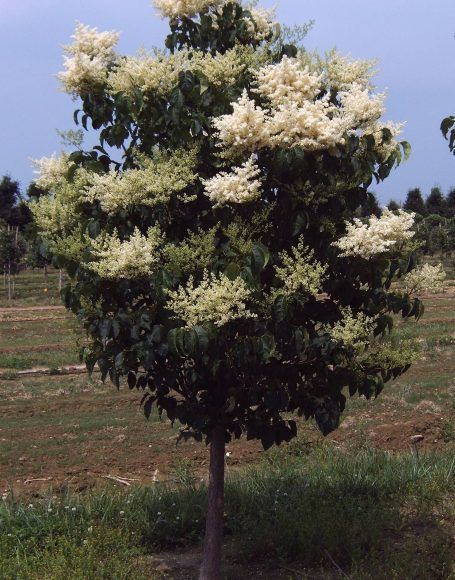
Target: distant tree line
20, 244
435, 218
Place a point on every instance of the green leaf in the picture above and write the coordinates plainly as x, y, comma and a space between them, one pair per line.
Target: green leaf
280, 308
232, 271
148, 405
447, 124
259, 258
131, 380
407, 149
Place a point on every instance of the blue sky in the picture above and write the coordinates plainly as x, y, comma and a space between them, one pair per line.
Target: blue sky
413, 40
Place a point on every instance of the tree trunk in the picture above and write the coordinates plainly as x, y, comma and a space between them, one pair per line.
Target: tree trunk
9, 280
211, 558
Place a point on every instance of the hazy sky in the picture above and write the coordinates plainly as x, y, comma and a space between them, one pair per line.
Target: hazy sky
413, 40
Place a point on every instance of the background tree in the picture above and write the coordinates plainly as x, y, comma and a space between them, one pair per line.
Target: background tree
14, 217
37, 255
215, 263
415, 203
12, 251
10, 197
393, 206
435, 202
370, 206
450, 203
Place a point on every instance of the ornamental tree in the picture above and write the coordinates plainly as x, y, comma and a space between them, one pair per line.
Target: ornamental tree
208, 237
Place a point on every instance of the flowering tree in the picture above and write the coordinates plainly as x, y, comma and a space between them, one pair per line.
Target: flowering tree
208, 235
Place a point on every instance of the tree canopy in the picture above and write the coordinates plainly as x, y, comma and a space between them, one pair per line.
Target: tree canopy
415, 203
209, 236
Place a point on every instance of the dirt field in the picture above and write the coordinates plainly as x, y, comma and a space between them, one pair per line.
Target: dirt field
66, 430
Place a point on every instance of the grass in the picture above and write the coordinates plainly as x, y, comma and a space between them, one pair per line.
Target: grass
49, 359
295, 507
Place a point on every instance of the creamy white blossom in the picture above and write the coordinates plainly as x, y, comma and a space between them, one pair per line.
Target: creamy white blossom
245, 128
354, 330
425, 278
223, 69
380, 235
158, 73
136, 257
216, 299
152, 184
299, 271
148, 73
288, 81
341, 72
263, 22
86, 60
52, 171
53, 216
313, 126
361, 107
184, 8
241, 185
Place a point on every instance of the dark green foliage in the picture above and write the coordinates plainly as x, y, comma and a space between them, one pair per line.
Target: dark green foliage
414, 202
448, 130
251, 373
370, 206
435, 202
12, 249
393, 206
450, 203
13, 210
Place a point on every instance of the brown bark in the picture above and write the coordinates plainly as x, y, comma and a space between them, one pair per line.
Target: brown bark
213, 541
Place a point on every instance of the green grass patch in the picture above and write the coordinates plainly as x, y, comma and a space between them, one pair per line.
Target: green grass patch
366, 510
48, 359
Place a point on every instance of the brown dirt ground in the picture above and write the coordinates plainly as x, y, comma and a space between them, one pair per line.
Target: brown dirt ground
146, 452
37, 347
60, 457
8, 309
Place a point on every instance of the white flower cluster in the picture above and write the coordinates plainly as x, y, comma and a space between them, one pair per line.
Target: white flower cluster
184, 8
263, 22
222, 69
287, 82
152, 184
313, 126
147, 73
300, 272
296, 116
341, 72
360, 107
425, 278
241, 185
52, 171
134, 258
53, 216
158, 73
216, 299
245, 128
87, 59
378, 236
353, 330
